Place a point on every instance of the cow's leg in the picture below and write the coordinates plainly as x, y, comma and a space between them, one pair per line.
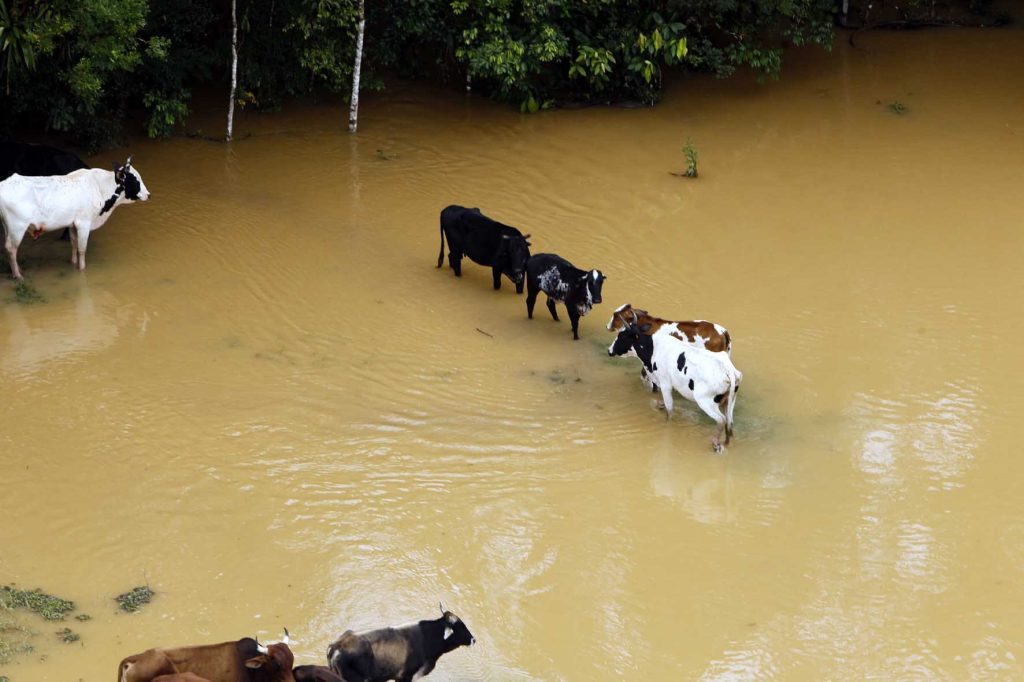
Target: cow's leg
12, 253
551, 307
83, 243
574, 318
666, 398
519, 286
531, 299
73, 232
496, 272
707, 403
455, 260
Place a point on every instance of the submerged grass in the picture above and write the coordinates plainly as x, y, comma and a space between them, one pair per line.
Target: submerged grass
26, 293
135, 599
46, 605
67, 635
13, 640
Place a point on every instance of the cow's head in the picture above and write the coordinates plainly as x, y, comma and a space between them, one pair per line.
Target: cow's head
633, 341
456, 633
513, 252
622, 316
593, 281
276, 660
130, 182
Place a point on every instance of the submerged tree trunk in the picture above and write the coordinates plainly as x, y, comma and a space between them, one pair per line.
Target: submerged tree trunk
353, 111
234, 70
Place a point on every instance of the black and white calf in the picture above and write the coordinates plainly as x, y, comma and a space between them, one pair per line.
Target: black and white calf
402, 654
707, 378
487, 242
580, 290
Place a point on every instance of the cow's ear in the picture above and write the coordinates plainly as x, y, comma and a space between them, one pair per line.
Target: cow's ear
256, 663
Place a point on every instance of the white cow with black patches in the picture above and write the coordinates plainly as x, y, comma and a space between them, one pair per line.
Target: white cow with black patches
580, 290
708, 379
82, 200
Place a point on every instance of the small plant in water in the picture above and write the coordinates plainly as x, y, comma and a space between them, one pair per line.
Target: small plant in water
26, 294
690, 152
897, 107
133, 600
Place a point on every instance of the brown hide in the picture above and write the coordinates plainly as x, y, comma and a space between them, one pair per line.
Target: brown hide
238, 661
688, 330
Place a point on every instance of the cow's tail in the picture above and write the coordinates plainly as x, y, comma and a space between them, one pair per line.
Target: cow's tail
733, 386
440, 256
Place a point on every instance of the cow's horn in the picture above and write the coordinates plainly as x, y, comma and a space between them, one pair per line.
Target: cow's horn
287, 637
129, 162
259, 647
442, 607
526, 236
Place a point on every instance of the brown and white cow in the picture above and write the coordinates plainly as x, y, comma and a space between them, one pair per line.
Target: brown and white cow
701, 333
245, 660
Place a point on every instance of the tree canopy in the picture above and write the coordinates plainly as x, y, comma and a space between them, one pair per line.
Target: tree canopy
86, 68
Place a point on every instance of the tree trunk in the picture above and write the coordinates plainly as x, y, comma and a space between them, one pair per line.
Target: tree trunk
353, 111
234, 69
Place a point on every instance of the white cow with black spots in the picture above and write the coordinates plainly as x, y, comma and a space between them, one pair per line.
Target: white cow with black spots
82, 200
707, 378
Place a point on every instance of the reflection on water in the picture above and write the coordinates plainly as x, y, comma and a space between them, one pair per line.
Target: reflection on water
267, 403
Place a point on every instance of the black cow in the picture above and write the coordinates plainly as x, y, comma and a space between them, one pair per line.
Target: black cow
580, 290
485, 241
401, 654
314, 673
36, 159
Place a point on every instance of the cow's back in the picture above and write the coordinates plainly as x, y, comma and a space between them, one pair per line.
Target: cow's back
483, 235
55, 200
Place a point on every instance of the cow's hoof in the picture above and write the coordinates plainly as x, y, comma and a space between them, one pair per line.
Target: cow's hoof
717, 446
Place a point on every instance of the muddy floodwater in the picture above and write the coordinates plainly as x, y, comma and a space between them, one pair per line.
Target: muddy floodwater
263, 400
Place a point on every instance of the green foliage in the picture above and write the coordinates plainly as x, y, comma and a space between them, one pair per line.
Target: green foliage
46, 605
86, 66
690, 152
134, 599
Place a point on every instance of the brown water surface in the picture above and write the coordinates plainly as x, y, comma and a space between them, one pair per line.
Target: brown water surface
264, 401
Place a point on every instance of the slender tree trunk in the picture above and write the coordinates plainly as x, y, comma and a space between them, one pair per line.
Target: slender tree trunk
234, 69
353, 111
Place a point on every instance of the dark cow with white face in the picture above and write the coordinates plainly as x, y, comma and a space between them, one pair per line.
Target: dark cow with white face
402, 654
487, 242
580, 290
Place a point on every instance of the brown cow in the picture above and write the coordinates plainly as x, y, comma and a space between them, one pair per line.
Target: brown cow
180, 677
245, 660
708, 335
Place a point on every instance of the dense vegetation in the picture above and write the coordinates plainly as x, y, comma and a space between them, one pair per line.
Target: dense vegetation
83, 68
